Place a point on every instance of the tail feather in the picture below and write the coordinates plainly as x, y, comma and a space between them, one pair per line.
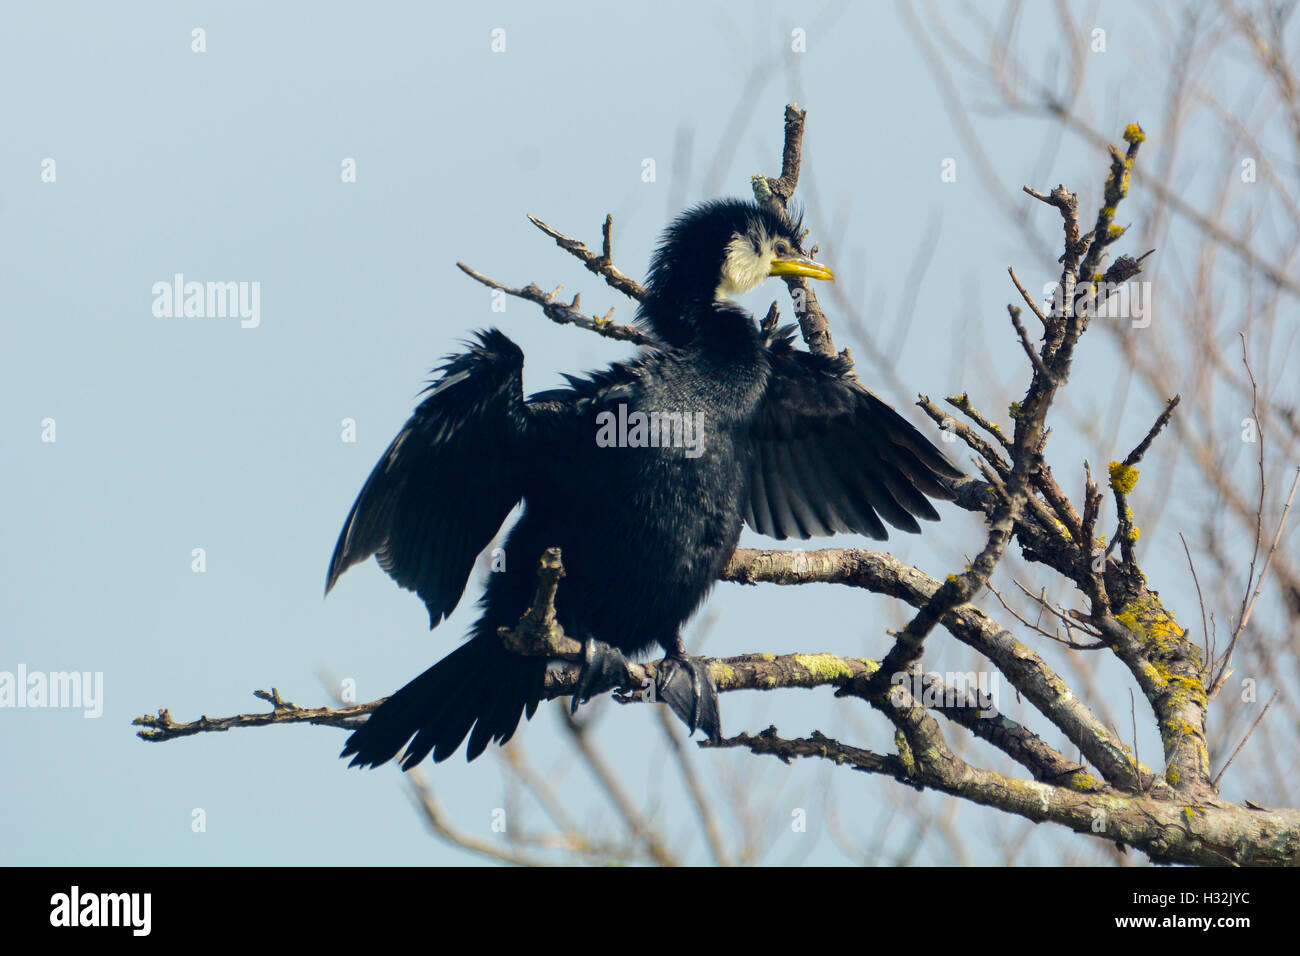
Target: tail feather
479, 686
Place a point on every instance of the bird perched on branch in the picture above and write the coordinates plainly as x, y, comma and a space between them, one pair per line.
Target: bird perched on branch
642, 475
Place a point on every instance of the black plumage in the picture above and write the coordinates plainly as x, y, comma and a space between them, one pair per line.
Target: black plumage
790, 444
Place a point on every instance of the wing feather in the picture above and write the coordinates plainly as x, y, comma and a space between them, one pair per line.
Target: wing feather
447, 481
830, 456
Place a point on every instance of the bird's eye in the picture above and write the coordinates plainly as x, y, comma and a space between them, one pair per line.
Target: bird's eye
783, 248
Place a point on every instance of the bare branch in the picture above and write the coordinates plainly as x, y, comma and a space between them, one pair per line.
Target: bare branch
776, 194
562, 314
603, 264
161, 726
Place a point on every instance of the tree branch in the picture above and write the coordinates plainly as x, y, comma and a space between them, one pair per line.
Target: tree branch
603, 264
562, 314
776, 195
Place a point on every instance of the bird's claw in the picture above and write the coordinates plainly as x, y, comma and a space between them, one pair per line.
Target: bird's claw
604, 668
687, 687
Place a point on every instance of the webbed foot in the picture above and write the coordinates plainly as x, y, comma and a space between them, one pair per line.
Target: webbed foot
685, 685
604, 668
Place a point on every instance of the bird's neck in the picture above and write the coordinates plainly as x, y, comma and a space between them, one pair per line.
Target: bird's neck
710, 326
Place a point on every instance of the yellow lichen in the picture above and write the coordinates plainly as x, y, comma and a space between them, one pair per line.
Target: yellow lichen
1190, 683
823, 666
724, 675
1083, 782
1122, 477
1133, 134
1151, 624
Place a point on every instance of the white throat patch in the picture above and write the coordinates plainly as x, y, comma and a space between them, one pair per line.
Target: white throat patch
743, 268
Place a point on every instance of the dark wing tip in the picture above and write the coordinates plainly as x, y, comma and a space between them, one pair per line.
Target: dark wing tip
344, 556
336, 569
451, 448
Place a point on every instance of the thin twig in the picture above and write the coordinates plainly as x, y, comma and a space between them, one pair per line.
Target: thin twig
1024, 294
1223, 671
1215, 781
566, 314
603, 264
1200, 598
1136, 454
621, 800
1039, 367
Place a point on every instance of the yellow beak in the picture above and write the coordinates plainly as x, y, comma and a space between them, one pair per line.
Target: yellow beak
798, 266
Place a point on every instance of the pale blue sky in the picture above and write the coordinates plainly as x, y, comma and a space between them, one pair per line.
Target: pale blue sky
175, 434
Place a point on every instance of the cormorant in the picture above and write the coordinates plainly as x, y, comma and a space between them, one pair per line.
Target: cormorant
641, 474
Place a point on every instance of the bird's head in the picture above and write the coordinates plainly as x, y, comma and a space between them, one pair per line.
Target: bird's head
717, 250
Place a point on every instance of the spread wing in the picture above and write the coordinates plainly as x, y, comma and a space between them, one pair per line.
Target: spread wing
447, 481
829, 456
